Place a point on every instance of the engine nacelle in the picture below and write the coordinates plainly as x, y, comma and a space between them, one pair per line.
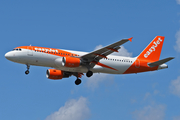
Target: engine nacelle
71, 62
54, 74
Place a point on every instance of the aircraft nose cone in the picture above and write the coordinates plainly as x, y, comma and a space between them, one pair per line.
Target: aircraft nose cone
8, 56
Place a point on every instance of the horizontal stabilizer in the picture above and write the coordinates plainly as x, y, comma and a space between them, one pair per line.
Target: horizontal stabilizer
160, 62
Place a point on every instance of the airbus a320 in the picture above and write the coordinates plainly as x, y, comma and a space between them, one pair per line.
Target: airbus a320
66, 63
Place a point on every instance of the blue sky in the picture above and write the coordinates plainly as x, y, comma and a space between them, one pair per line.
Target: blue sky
85, 25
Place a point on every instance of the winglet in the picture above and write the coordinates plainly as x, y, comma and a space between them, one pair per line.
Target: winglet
130, 39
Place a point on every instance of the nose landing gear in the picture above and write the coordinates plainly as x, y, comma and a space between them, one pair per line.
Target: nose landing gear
27, 71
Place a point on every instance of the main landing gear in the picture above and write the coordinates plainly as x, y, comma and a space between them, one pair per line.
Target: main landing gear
78, 81
27, 71
89, 73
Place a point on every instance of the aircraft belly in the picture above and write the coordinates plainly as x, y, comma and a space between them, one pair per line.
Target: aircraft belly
80, 69
98, 69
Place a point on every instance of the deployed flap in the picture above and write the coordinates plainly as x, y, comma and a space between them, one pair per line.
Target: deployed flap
105, 51
160, 62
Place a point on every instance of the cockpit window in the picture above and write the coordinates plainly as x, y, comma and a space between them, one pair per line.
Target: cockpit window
17, 49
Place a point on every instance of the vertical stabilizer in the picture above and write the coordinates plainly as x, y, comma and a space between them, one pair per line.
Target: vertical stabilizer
153, 50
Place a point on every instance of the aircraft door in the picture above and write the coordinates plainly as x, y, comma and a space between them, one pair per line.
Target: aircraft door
137, 63
30, 51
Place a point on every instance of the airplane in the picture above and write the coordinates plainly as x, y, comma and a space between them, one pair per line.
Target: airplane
66, 63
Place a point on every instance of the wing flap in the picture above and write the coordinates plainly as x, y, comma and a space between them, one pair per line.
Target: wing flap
105, 51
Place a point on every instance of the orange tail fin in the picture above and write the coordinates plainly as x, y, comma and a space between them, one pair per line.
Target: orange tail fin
153, 50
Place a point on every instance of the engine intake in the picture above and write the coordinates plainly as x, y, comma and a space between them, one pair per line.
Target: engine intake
55, 74
71, 62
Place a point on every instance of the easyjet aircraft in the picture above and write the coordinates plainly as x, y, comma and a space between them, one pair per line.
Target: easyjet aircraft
66, 63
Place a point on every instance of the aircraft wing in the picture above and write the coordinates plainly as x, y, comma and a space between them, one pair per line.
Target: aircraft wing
96, 55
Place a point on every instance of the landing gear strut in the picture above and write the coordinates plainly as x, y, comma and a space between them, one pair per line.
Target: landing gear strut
27, 71
89, 73
78, 81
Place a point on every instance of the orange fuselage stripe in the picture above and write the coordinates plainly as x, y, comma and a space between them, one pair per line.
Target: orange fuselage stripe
51, 51
140, 65
103, 65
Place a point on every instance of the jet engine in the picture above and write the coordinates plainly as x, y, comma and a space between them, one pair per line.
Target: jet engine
56, 74
71, 62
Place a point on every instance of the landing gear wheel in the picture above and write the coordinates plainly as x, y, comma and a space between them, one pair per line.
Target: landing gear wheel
89, 73
78, 81
27, 72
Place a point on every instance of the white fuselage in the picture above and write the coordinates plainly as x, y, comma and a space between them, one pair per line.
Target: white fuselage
68, 62
25, 56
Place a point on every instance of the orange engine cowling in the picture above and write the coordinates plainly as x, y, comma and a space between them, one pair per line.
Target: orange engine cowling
71, 62
54, 74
